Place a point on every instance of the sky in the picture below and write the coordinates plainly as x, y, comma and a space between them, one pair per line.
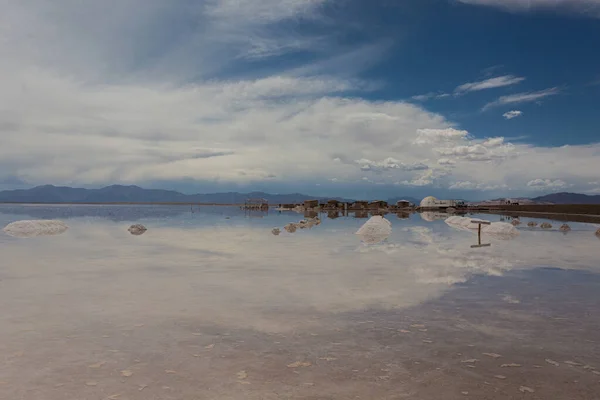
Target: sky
467, 99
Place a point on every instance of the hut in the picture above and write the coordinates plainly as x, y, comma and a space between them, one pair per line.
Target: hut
403, 204
360, 205
334, 203
311, 203
377, 204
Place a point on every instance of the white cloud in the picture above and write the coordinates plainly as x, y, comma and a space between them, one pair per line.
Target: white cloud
512, 114
389, 164
499, 81
94, 98
468, 185
547, 184
446, 161
590, 7
522, 98
431, 95
493, 142
433, 136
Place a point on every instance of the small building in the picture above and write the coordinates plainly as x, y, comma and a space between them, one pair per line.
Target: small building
311, 203
360, 205
403, 204
334, 203
376, 204
256, 204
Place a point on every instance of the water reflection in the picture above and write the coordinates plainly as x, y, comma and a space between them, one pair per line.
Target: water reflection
212, 297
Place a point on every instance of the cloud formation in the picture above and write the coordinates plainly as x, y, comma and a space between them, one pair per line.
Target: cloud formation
588, 7
185, 92
491, 83
512, 114
525, 97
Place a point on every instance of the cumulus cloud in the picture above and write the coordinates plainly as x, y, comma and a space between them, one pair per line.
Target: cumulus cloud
522, 98
434, 136
446, 161
512, 114
499, 81
191, 92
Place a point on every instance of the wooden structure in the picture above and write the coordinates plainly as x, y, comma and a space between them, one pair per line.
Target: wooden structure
403, 204
377, 204
479, 223
256, 204
360, 205
334, 204
311, 203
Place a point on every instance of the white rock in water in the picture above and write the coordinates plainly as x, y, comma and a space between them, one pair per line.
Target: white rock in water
291, 227
33, 228
499, 230
375, 230
137, 229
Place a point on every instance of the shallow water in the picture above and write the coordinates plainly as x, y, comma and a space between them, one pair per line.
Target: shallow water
212, 305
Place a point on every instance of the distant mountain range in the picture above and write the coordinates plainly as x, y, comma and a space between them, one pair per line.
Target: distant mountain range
136, 194
568, 198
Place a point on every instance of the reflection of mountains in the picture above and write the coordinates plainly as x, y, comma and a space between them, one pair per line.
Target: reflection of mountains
113, 213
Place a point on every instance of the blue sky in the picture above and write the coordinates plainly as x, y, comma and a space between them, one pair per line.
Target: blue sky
456, 98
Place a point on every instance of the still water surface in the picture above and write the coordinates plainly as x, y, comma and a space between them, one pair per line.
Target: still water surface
212, 305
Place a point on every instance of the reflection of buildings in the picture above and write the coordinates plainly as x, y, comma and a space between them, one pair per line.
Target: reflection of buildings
403, 215
431, 216
361, 214
333, 214
310, 214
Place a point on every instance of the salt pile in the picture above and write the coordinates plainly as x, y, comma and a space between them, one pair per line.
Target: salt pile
33, 228
375, 230
499, 230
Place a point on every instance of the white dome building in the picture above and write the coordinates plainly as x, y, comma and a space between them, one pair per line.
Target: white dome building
429, 202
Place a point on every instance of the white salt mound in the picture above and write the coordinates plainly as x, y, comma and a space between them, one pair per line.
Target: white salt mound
499, 230
33, 228
375, 229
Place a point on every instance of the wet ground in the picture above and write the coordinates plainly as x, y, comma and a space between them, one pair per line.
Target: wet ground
211, 305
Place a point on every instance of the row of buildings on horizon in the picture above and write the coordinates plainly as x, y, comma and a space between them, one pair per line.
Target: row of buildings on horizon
428, 203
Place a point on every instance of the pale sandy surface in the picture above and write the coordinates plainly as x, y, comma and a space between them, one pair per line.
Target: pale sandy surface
222, 309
